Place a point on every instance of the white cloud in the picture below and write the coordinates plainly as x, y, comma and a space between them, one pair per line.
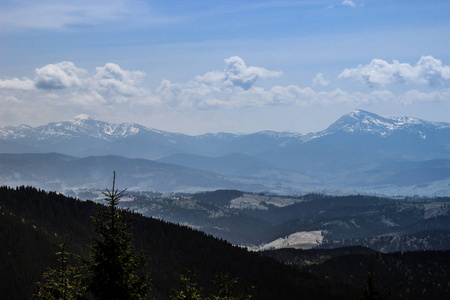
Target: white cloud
415, 96
111, 81
348, 3
59, 76
236, 74
112, 88
17, 84
319, 80
233, 87
428, 70
221, 90
110, 84
239, 74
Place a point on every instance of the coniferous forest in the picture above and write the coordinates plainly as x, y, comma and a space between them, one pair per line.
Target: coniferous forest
38, 226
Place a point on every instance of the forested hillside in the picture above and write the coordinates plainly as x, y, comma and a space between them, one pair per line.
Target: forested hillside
32, 220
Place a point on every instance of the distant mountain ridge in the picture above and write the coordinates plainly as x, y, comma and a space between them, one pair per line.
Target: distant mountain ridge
80, 126
353, 153
84, 126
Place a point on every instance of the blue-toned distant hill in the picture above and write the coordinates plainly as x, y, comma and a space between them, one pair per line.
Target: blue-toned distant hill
61, 172
360, 152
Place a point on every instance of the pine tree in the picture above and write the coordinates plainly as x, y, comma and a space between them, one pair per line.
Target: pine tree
111, 271
63, 283
190, 289
225, 284
372, 291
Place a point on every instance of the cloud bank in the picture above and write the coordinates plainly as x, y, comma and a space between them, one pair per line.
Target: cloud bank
236, 86
17, 84
379, 73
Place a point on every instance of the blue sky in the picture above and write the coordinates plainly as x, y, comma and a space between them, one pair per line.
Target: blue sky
233, 66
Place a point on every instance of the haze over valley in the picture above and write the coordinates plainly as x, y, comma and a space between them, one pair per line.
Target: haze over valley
361, 152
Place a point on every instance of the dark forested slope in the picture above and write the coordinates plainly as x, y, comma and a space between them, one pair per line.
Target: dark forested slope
31, 219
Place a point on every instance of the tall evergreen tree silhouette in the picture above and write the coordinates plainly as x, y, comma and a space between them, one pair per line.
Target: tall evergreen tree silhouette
111, 270
372, 291
190, 290
64, 282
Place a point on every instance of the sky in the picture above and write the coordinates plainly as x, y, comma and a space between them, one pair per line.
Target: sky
199, 67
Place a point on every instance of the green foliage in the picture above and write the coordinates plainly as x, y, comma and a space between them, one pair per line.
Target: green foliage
111, 271
64, 282
225, 284
189, 290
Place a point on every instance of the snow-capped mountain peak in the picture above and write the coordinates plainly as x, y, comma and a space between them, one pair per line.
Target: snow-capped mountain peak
85, 126
80, 126
367, 122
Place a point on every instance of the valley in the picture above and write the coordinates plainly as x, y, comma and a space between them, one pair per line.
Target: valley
259, 221
360, 153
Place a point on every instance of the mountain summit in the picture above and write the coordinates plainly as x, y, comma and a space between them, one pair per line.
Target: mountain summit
367, 122
81, 126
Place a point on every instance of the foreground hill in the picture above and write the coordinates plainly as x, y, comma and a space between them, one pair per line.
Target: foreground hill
30, 219
361, 152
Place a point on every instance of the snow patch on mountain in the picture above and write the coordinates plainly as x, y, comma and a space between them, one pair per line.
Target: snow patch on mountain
357, 121
360, 121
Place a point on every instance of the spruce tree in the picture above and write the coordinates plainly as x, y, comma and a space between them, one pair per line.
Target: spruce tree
225, 283
64, 282
372, 291
190, 290
111, 270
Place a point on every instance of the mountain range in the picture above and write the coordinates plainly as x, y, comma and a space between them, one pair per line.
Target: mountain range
360, 152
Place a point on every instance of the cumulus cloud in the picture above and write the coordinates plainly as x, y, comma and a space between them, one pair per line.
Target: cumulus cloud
111, 80
17, 84
110, 87
225, 88
203, 97
428, 70
232, 87
415, 96
59, 76
236, 74
240, 75
319, 80
109, 84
